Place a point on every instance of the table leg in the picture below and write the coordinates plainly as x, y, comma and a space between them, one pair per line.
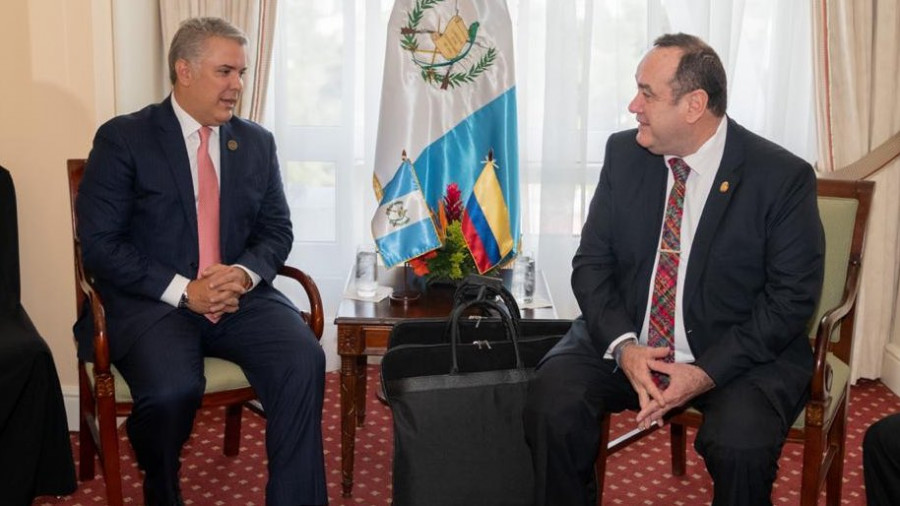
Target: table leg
361, 381
349, 379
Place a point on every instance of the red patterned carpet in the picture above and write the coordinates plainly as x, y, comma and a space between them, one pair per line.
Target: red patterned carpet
210, 478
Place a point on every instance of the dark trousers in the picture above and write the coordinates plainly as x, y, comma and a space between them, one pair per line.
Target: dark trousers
740, 440
881, 462
283, 362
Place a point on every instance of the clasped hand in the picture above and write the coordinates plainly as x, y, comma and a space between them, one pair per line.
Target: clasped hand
686, 381
218, 290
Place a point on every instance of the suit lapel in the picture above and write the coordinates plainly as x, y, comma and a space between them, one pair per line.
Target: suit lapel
727, 179
655, 175
230, 158
172, 144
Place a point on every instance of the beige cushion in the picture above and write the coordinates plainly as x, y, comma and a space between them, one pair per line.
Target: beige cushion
221, 375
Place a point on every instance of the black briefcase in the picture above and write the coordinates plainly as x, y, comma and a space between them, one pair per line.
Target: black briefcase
457, 388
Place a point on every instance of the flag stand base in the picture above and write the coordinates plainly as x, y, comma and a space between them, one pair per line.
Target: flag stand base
405, 297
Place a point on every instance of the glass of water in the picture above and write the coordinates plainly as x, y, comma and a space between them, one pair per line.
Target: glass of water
523, 277
366, 271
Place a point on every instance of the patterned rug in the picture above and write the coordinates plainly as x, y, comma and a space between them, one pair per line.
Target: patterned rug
210, 478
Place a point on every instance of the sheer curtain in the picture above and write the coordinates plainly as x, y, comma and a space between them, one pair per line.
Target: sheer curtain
575, 64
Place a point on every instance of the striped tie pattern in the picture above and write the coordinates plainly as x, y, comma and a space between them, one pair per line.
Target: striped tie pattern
662, 307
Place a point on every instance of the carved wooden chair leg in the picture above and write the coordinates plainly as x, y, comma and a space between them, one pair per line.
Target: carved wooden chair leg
679, 448
232, 429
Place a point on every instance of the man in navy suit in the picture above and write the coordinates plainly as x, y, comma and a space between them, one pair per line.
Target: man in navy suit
751, 266
138, 223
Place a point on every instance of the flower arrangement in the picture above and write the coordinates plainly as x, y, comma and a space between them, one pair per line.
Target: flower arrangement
453, 261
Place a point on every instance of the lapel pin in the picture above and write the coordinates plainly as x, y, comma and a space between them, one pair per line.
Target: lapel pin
232, 145
723, 188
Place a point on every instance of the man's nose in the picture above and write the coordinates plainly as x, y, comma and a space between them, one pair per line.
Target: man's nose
634, 105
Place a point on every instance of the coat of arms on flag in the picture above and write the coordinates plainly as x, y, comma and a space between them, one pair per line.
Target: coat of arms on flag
448, 99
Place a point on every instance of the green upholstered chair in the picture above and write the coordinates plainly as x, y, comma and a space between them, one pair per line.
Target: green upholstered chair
821, 427
104, 395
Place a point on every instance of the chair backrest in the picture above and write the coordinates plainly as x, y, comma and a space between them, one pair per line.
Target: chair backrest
844, 208
10, 285
75, 169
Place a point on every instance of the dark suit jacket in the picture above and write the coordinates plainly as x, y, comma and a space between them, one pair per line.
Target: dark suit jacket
754, 273
137, 218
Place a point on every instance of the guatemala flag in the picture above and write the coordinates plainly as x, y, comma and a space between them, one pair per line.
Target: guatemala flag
448, 99
402, 226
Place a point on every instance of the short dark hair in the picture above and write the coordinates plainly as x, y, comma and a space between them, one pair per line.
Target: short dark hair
187, 44
699, 69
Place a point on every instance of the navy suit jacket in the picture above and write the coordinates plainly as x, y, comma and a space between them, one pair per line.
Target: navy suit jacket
137, 217
754, 273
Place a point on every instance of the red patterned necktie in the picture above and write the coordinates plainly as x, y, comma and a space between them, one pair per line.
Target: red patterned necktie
662, 307
207, 206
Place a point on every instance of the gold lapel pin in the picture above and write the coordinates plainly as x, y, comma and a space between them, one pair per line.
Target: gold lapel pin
232, 145
723, 188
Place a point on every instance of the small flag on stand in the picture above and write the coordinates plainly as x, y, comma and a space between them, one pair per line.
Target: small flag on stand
402, 225
485, 220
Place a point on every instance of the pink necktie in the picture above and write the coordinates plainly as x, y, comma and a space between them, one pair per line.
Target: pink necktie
207, 206
661, 331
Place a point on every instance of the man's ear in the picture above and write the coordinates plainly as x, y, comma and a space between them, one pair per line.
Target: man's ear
696, 102
183, 72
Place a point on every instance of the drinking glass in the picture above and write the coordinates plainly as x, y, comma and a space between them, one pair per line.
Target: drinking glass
523, 277
366, 271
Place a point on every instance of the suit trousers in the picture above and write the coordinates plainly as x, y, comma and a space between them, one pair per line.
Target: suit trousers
881, 462
740, 440
283, 362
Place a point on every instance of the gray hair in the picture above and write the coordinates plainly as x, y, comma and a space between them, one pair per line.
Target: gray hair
187, 44
699, 69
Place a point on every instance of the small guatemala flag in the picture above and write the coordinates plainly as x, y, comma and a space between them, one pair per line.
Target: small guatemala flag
402, 225
485, 220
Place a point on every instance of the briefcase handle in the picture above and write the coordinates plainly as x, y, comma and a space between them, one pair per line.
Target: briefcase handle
476, 287
510, 325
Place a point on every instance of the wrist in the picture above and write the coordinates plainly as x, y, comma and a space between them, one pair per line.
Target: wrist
620, 348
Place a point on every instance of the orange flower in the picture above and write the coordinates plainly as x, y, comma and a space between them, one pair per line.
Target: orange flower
420, 264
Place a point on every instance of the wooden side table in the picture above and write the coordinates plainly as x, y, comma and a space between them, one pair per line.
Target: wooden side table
363, 328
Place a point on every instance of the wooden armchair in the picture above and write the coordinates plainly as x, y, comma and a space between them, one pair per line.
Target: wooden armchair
821, 427
104, 395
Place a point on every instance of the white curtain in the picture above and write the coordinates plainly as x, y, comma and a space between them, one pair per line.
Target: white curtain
257, 20
575, 62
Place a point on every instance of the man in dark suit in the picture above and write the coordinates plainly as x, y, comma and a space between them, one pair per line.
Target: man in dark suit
182, 280
732, 294
881, 461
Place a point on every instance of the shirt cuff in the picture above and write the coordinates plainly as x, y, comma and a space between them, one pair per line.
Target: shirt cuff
624, 337
172, 295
